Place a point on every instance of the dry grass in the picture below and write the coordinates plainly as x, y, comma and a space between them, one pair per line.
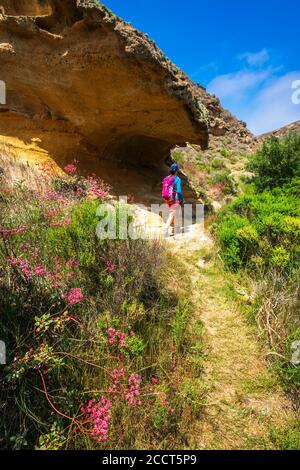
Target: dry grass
278, 313
245, 400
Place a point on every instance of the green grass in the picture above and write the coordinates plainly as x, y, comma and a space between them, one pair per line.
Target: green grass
287, 439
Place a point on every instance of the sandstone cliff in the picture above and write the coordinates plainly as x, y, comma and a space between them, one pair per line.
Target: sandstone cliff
82, 83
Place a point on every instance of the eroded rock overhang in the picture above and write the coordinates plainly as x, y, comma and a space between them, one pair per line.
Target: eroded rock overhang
82, 83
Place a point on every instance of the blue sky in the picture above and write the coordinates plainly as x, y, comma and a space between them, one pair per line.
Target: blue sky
247, 52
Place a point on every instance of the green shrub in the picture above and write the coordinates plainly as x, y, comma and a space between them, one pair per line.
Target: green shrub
261, 226
277, 162
280, 257
227, 233
226, 152
178, 157
260, 232
218, 163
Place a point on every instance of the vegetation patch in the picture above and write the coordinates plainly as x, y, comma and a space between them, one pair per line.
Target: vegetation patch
98, 332
259, 237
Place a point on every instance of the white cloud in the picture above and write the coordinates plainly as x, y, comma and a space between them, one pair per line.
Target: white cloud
272, 107
256, 59
261, 97
234, 86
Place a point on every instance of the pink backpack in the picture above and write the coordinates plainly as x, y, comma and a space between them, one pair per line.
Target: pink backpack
168, 192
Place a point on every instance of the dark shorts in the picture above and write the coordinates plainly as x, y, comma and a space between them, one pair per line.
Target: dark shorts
171, 203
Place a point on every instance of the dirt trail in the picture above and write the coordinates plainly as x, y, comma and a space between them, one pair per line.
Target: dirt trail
245, 405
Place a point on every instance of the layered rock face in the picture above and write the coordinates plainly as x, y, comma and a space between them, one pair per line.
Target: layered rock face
81, 83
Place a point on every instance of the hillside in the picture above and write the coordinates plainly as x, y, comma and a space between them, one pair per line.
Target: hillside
283, 131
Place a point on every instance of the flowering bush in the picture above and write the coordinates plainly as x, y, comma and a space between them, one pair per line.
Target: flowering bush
84, 321
75, 296
97, 419
116, 337
132, 396
70, 169
111, 267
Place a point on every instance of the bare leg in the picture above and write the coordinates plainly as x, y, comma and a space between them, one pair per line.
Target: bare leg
171, 220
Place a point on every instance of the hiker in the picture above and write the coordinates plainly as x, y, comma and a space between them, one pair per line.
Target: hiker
172, 194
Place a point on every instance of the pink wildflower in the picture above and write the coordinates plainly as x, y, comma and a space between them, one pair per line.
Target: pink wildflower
117, 387
51, 213
40, 271
134, 390
23, 265
166, 403
116, 337
75, 296
98, 417
72, 263
111, 267
50, 195
98, 192
71, 168
4, 233
63, 223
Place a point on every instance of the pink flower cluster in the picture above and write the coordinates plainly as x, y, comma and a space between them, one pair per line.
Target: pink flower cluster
40, 270
51, 195
36, 269
117, 388
22, 264
5, 233
51, 212
72, 263
26, 269
97, 187
53, 207
100, 193
111, 267
71, 169
166, 403
132, 396
98, 415
116, 337
75, 296
129, 390
62, 223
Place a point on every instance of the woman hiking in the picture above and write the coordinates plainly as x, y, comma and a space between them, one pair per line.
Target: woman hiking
173, 196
